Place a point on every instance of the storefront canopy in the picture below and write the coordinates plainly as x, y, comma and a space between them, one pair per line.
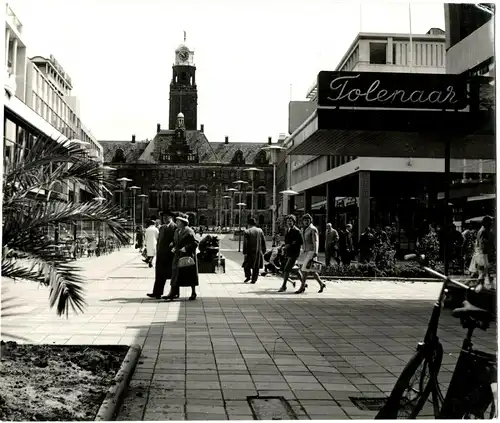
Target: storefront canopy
398, 115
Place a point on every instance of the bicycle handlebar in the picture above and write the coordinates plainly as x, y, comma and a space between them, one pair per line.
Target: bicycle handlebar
420, 259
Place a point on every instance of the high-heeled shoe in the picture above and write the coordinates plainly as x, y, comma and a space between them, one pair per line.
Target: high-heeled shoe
301, 290
193, 297
282, 289
323, 286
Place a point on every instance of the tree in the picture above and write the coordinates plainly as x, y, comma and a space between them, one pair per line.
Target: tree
30, 205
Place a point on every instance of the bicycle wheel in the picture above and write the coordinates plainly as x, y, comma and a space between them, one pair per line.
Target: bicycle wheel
413, 387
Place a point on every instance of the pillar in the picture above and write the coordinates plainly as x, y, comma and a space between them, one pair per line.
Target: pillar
291, 204
364, 201
330, 204
307, 202
14, 56
7, 42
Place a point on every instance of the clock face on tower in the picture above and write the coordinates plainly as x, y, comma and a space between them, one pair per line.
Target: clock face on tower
184, 55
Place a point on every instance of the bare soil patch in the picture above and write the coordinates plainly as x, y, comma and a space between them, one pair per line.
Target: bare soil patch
55, 382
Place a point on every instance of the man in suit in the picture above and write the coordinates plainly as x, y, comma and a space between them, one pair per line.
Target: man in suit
293, 242
164, 255
331, 244
254, 248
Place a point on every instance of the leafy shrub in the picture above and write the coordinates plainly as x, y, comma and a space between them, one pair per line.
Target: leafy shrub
384, 254
370, 270
429, 246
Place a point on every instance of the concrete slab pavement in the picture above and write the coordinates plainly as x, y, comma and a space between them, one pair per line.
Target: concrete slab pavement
201, 359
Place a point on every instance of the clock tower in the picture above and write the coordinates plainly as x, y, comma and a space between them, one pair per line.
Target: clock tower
183, 91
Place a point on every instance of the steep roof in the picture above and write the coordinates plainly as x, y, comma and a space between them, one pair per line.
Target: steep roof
208, 152
132, 151
225, 152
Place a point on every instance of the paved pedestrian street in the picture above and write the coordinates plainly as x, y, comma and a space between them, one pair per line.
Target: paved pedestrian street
202, 359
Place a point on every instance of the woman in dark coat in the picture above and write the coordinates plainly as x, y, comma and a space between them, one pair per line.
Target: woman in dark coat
184, 246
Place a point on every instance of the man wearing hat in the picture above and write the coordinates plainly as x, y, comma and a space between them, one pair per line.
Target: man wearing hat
164, 255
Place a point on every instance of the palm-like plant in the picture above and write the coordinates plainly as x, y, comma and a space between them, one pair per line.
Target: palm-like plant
30, 205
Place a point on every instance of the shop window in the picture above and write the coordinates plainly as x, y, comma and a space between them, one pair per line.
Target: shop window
378, 53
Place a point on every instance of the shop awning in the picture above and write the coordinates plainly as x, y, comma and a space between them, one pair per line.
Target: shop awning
353, 122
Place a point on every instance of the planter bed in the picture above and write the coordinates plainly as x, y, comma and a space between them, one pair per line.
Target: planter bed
56, 382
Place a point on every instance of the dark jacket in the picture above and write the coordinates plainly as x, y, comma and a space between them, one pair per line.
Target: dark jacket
164, 255
254, 248
293, 242
184, 276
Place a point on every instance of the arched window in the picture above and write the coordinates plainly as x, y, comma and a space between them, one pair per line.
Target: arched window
238, 158
261, 158
119, 156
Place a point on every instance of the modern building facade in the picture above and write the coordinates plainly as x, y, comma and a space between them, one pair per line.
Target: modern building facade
181, 170
398, 191
470, 51
38, 104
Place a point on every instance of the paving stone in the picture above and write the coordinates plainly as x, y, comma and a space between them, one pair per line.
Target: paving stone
354, 339
203, 394
204, 416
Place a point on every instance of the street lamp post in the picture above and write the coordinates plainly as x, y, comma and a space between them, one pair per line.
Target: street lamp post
274, 149
251, 173
133, 189
240, 205
240, 184
143, 199
226, 197
289, 193
232, 191
123, 181
100, 199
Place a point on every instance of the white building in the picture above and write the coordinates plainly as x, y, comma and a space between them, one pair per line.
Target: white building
38, 101
314, 176
371, 52
470, 50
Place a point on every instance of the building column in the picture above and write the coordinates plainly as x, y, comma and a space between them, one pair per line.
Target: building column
307, 201
291, 204
364, 201
7, 42
14, 56
330, 204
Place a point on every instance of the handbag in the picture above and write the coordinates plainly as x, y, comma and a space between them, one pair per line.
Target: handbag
185, 262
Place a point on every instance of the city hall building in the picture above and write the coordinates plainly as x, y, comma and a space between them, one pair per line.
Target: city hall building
368, 146
181, 170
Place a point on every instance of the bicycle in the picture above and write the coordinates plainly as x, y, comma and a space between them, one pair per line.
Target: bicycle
472, 389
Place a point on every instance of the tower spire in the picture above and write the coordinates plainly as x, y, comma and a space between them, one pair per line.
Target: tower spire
184, 37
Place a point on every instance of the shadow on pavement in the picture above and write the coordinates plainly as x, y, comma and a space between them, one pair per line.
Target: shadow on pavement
202, 359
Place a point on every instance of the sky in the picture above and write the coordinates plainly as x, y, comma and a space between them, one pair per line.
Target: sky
252, 57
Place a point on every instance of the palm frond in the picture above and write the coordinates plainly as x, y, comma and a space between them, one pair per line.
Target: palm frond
6, 314
30, 205
66, 286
